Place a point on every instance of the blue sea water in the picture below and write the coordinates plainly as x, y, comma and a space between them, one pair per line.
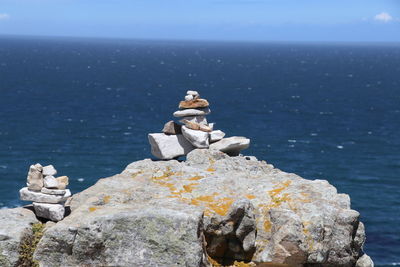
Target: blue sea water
323, 111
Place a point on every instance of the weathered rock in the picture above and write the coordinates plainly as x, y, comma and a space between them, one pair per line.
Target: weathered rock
196, 119
152, 215
231, 145
35, 177
197, 138
15, 224
28, 195
53, 191
192, 112
54, 212
364, 261
63, 182
169, 146
216, 136
50, 182
195, 103
172, 127
188, 97
49, 170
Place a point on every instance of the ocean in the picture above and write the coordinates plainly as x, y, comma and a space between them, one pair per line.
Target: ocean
323, 111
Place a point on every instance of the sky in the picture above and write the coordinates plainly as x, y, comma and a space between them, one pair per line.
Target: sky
243, 20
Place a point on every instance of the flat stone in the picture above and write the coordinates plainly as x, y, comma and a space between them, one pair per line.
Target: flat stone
195, 103
49, 170
169, 146
231, 145
197, 138
53, 191
216, 136
63, 181
188, 97
196, 119
50, 182
192, 112
35, 177
27, 195
172, 127
54, 212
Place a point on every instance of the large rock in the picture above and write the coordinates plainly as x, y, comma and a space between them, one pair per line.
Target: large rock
195, 103
231, 145
197, 138
54, 212
169, 146
172, 127
35, 177
162, 213
15, 224
28, 195
192, 112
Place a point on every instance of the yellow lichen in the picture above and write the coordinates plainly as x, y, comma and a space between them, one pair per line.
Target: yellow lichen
91, 209
220, 206
211, 169
195, 178
106, 199
267, 226
249, 196
189, 188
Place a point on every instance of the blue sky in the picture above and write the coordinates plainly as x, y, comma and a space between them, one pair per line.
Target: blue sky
259, 20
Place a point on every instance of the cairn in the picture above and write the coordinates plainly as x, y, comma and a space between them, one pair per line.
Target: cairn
47, 193
193, 131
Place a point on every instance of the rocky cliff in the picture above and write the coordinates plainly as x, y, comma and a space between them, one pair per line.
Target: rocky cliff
210, 210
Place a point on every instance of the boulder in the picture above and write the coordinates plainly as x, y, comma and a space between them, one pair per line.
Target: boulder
231, 145
50, 182
63, 181
216, 136
54, 212
15, 224
195, 103
53, 191
28, 195
192, 112
170, 213
172, 127
49, 170
197, 138
35, 177
169, 146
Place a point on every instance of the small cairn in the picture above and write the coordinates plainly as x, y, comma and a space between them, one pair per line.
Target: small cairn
193, 132
47, 193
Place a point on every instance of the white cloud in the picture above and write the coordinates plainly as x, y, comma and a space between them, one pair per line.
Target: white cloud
4, 16
383, 17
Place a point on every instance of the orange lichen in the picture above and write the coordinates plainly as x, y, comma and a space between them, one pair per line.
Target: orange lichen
189, 188
249, 196
106, 199
267, 226
211, 169
195, 178
91, 209
220, 206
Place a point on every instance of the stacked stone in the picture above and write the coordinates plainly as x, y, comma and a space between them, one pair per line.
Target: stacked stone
47, 193
178, 140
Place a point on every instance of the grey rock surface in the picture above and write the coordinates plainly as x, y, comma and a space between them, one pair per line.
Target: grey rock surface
169, 146
192, 112
162, 213
14, 225
197, 138
35, 177
54, 212
28, 195
50, 182
49, 170
231, 145
216, 136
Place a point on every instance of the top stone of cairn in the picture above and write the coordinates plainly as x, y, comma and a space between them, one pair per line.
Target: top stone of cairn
193, 100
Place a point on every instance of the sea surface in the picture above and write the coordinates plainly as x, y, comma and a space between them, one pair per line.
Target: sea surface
323, 111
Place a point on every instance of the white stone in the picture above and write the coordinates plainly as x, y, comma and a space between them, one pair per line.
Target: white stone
188, 97
197, 138
364, 261
49, 170
231, 145
193, 93
196, 119
211, 125
35, 177
50, 182
53, 191
54, 212
216, 136
192, 112
27, 195
169, 146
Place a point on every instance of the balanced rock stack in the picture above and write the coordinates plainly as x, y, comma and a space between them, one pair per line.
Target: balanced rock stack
193, 132
47, 193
